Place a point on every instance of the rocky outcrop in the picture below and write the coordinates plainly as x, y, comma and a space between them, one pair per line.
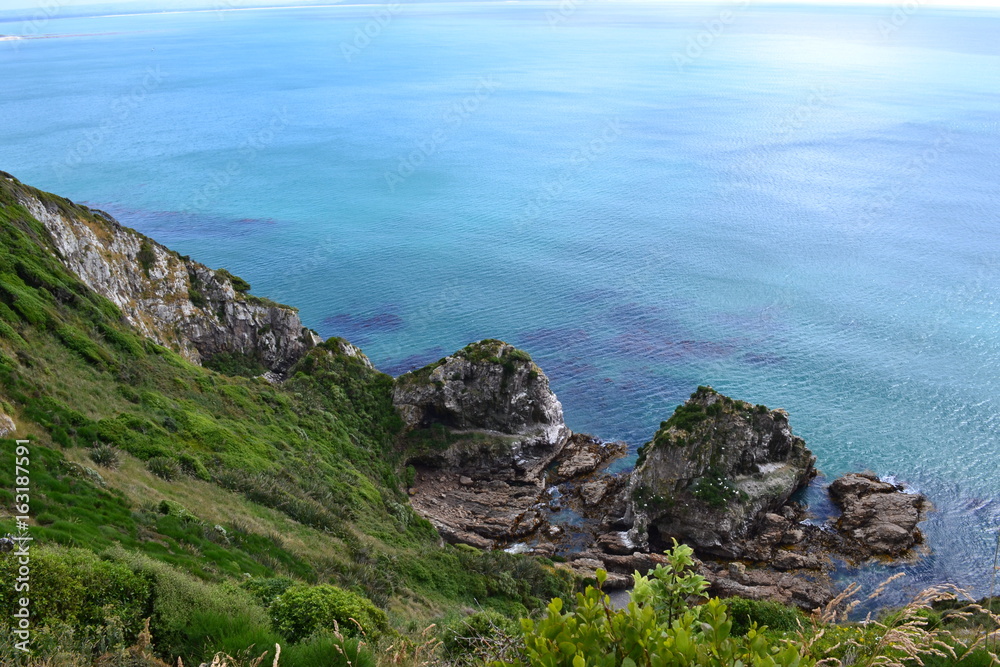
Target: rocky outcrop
807, 588
878, 518
510, 423
583, 455
7, 426
178, 303
488, 385
712, 471
490, 449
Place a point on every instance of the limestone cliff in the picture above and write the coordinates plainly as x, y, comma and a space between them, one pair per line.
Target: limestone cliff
173, 300
712, 470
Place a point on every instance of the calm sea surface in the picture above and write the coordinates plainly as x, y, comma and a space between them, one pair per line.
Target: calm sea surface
797, 206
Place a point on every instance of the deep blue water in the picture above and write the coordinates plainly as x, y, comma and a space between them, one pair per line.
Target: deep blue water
800, 210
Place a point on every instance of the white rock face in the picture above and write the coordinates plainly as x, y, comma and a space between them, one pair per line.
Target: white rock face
7, 426
154, 288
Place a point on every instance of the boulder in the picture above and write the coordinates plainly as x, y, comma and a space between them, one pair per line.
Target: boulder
495, 405
583, 454
7, 425
712, 471
878, 518
587, 569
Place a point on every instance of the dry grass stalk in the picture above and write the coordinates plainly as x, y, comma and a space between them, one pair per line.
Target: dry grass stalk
410, 653
904, 638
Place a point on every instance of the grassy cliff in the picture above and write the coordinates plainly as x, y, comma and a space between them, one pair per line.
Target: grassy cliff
189, 485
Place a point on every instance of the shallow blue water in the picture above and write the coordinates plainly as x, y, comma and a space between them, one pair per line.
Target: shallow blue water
800, 210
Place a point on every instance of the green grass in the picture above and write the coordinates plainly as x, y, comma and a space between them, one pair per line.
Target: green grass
305, 479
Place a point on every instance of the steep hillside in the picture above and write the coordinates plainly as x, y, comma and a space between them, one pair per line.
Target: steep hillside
154, 461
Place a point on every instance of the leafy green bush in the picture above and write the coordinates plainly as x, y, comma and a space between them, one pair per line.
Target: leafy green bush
146, 256
197, 298
302, 610
657, 629
192, 618
267, 590
192, 465
238, 283
83, 345
518, 355
76, 587
686, 416
775, 616
237, 364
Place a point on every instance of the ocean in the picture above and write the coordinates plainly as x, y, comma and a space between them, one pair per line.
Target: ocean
797, 205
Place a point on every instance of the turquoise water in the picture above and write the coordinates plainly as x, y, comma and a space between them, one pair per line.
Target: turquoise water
799, 208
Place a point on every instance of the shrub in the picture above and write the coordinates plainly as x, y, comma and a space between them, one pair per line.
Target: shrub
106, 456
686, 416
474, 636
146, 256
519, 355
267, 590
238, 283
76, 587
326, 649
235, 363
302, 610
192, 618
657, 628
164, 467
175, 509
775, 616
192, 465
83, 345
197, 298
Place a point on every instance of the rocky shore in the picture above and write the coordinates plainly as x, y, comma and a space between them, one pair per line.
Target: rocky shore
493, 463
495, 466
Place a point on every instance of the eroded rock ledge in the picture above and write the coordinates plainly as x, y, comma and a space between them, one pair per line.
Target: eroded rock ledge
176, 302
496, 467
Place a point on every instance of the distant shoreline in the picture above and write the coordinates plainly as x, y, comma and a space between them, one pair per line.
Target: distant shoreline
960, 5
